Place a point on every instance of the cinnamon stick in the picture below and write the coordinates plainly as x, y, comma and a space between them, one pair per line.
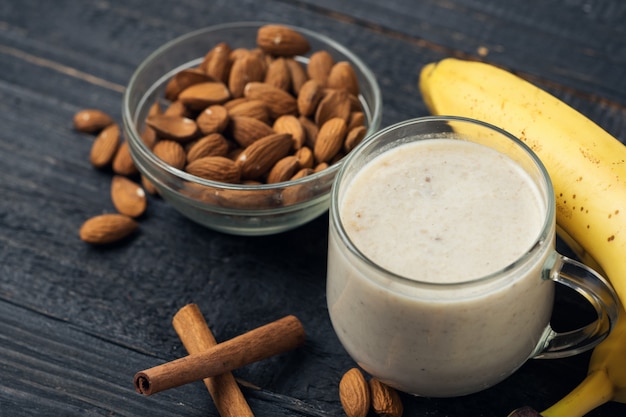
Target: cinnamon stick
261, 343
196, 336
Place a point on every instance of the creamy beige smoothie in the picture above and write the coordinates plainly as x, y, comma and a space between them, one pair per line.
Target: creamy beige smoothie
442, 212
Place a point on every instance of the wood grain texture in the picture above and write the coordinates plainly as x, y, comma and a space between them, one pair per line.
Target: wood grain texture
77, 322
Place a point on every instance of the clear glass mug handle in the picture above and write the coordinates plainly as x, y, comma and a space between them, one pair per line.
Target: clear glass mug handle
595, 289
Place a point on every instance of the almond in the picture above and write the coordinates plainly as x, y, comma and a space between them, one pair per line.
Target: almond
357, 118
250, 108
247, 199
354, 393
311, 130
297, 74
215, 168
177, 108
216, 62
278, 101
213, 119
278, 75
336, 103
290, 124
178, 128
283, 170
91, 120
257, 159
248, 68
305, 157
170, 152
107, 228
385, 400
128, 197
105, 146
309, 97
342, 75
304, 172
123, 163
247, 130
210, 145
329, 139
281, 40
354, 137
183, 79
319, 66
202, 95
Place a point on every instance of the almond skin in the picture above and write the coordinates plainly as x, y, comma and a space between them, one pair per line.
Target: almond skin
91, 120
342, 75
247, 130
290, 124
245, 69
179, 128
385, 400
278, 75
105, 146
213, 119
128, 197
257, 159
123, 163
329, 139
171, 152
280, 40
215, 168
319, 66
210, 145
283, 170
202, 95
354, 393
107, 228
278, 101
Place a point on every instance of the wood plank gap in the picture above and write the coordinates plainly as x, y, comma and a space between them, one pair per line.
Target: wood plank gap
64, 69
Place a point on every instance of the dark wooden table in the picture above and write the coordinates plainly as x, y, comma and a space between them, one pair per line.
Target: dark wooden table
76, 322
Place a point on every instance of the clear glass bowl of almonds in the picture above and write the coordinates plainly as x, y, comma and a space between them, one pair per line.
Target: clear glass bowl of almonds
242, 127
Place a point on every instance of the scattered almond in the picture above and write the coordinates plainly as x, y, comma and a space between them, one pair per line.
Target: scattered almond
385, 400
105, 146
123, 163
107, 228
91, 120
354, 393
128, 197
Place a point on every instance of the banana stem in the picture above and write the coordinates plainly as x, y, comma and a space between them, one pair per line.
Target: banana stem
595, 390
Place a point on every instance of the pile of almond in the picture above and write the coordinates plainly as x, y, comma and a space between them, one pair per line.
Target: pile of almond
252, 116
358, 396
243, 116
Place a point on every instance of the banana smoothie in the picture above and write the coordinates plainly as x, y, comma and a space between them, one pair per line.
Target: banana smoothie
433, 219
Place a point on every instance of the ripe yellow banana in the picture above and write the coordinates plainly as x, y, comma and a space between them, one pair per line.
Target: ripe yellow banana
587, 167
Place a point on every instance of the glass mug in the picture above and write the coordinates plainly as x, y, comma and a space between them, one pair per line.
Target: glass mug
435, 329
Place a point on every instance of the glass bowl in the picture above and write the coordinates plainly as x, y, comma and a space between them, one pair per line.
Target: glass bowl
258, 209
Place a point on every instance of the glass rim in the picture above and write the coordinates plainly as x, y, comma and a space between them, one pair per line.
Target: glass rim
538, 243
